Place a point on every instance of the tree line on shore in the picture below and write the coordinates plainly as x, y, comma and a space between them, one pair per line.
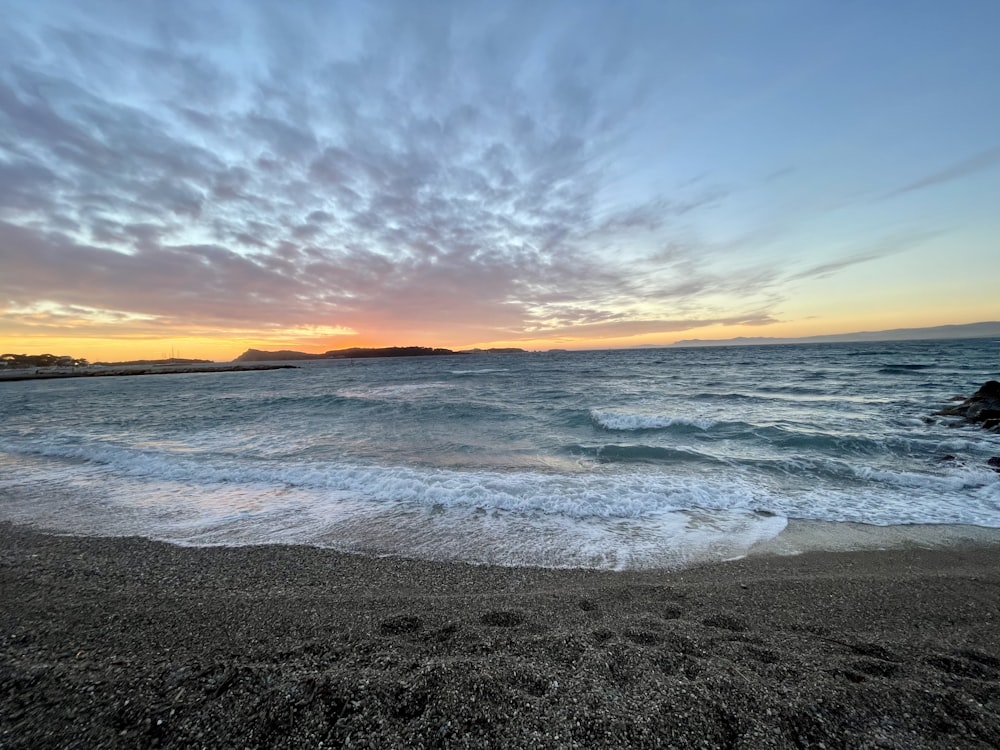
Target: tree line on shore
41, 360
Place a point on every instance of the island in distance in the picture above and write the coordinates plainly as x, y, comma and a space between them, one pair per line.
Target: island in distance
287, 355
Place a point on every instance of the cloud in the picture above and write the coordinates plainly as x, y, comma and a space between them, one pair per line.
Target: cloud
629, 328
438, 171
975, 163
882, 249
415, 185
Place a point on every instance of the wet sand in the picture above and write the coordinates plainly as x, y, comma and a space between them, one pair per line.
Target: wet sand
132, 643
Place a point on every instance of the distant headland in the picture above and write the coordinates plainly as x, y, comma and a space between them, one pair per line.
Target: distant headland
287, 355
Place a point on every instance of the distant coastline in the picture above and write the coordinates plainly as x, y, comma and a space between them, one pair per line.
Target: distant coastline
966, 331
10, 375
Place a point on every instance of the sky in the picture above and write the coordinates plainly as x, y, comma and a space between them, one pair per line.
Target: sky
197, 179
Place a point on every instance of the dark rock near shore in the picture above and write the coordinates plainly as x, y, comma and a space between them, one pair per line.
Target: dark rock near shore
981, 408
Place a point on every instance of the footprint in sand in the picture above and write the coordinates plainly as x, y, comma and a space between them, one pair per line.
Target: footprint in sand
503, 618
726, 622
400, 624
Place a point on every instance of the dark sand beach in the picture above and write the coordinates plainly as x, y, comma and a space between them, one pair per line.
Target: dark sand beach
133, 643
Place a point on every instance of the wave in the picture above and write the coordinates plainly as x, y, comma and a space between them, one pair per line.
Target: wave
818, 443
629, 422
261, 500
831, 490
401, 391
904, 369
742, 397
571, 495
640, 454
800, 390
311, 400
672, 539
360, 393
482, 371
965, 478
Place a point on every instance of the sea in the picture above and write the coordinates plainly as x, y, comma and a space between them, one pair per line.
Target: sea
641, 458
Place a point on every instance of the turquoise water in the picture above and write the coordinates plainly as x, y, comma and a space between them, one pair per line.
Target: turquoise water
638, 458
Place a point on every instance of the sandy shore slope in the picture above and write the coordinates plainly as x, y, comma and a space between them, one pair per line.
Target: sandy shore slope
132, 643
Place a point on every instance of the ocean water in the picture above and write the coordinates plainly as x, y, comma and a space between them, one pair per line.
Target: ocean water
613, 459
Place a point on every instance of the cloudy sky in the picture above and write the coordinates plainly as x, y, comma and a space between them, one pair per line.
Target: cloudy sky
206, 177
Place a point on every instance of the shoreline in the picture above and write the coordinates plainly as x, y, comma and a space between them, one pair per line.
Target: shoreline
124, 642
803, 536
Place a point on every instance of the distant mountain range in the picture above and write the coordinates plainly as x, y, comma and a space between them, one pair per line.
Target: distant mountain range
967, 331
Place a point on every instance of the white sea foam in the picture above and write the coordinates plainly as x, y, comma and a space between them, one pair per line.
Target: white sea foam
626, 421
401, 391
574, 495
482, 371
442, 515
957, 479
959, 494
223, 515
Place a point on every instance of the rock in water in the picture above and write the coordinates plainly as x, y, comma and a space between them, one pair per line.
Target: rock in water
982, 407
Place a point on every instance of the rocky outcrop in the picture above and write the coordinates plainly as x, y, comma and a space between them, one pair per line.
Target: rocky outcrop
981, 408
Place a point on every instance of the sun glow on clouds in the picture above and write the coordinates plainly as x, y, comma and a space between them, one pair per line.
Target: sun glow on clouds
315, 175
45, 314
116, 333
62, 320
